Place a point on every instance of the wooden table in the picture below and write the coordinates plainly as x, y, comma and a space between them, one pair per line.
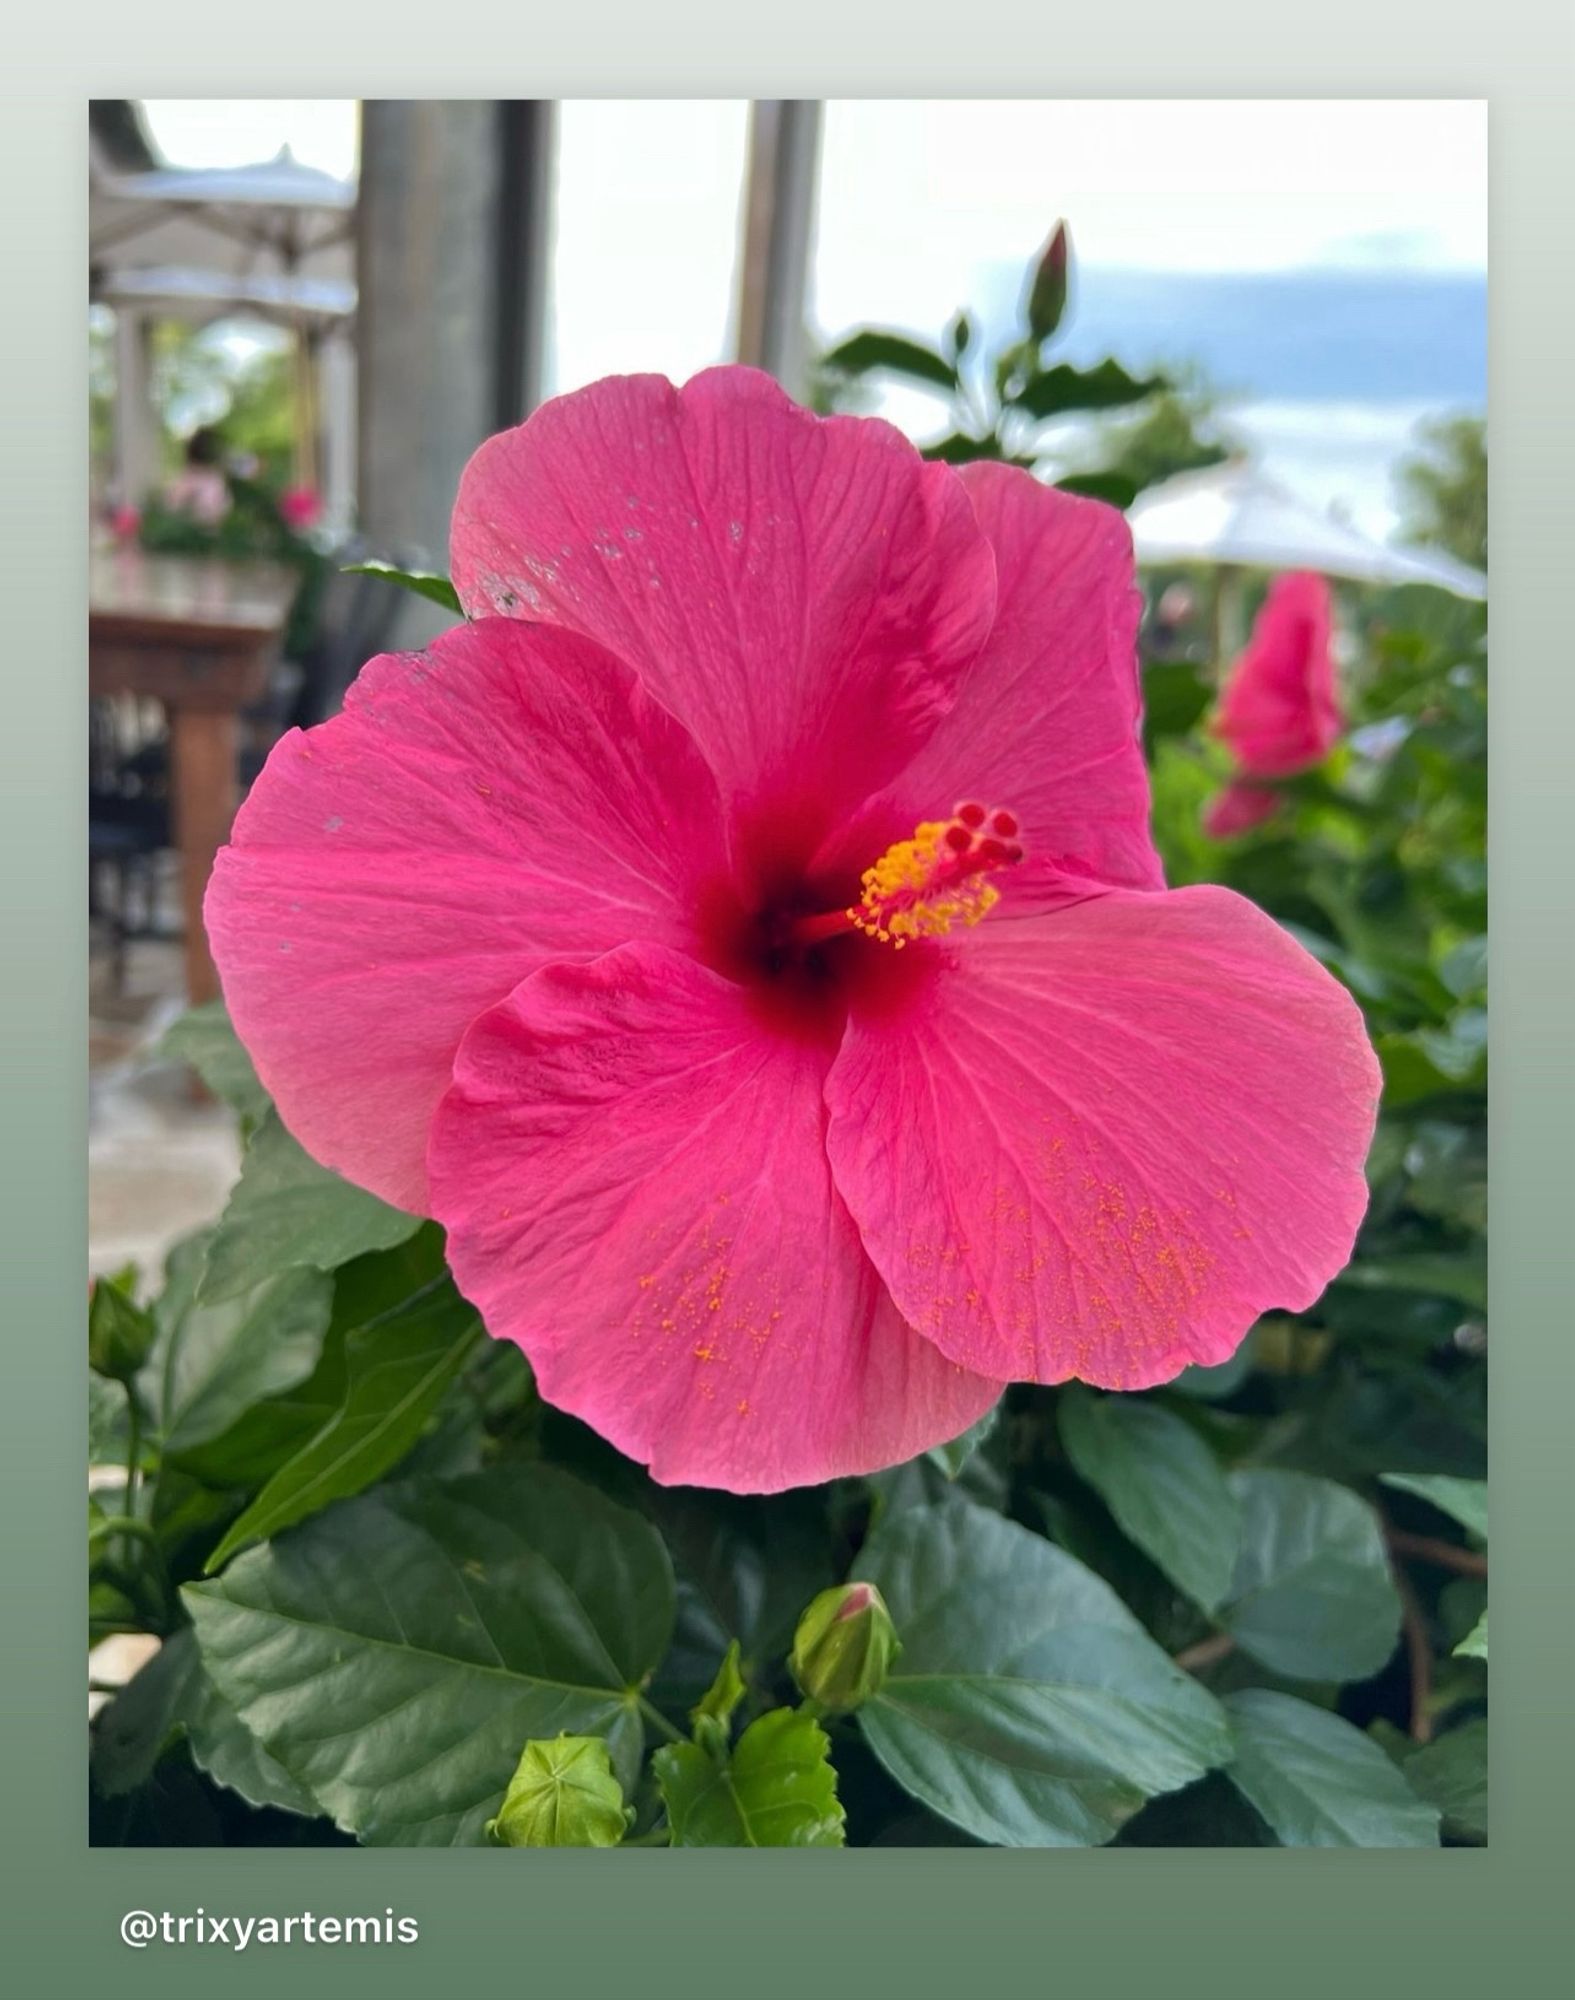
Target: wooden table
199, 637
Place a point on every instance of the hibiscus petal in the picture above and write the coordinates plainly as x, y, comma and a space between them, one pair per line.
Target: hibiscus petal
1048, 719
632, 1172
509, 797
1100, 1142
803, 593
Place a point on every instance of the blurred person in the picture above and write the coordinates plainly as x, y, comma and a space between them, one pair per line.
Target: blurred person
201, 489
1170, 622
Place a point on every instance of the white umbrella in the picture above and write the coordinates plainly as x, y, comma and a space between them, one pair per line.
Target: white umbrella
268, 236
1234, 516
279, 217
203, 295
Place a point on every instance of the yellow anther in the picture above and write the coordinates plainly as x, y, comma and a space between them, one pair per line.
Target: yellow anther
922, 886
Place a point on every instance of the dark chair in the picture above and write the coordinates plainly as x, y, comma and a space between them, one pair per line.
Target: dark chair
359, 619
128, 820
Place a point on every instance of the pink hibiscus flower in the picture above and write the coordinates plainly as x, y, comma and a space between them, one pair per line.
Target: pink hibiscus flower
745, 938
1281, 709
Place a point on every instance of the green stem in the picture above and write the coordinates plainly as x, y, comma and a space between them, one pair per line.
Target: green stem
133, 1465
121, 1524
659, 1836
133, 1449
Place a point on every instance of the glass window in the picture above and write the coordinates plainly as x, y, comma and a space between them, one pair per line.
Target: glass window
645, 238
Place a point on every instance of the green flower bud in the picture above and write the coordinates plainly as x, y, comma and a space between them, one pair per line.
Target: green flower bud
120, 1333
1047, 293
563, 1794
844, 1646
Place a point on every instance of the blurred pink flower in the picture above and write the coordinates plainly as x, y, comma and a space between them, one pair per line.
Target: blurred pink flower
125, 523
1239, 808
1281, 710
780, 1106
300, 507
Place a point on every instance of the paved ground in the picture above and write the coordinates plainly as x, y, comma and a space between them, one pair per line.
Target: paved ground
161, 1162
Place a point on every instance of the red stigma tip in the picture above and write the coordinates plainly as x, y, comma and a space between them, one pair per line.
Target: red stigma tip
958, 839
971, 815
1014, 853
1005, 824
991, 850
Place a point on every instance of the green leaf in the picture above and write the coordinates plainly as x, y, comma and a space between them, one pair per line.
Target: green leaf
1059, 390
1213, 1385
1174, 698
1474, 1645
132, 1731
204, 1038
248, 1454
1452, 1773
425, 583
1116, 489
120, 1333
746, 1567
865, 353
106, 1421
226, 1749
213, 1362
1464, 970
288, 1212
961, 449
776, 1788
394, 1653
397, 1368
1462, 1277
1312, 1596
563, 1794
1162, 1484
1028, 1707
1460, 1049
1463, 1500
1319, 1782
950, 1458
172, 1694
1410, 1074
724, 1694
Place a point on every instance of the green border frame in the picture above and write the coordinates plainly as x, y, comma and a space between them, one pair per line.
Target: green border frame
908, 1925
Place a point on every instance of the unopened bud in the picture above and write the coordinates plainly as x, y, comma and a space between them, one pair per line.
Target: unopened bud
563, 1794
844, 1646
120, 1333
1047, 294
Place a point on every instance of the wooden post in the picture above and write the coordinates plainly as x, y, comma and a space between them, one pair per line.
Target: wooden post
202, 760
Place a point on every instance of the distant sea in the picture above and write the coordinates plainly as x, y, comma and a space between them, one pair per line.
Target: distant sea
1324, 375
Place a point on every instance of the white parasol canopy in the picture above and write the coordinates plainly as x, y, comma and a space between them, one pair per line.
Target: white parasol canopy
276, 219
1234, 516
201, 295
277, 239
